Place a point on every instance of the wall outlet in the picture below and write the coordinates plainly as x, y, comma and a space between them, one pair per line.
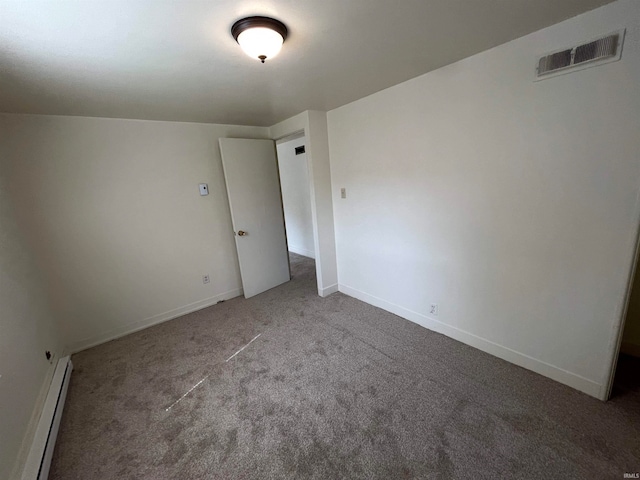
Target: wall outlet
343, 192
434, 309
205, 279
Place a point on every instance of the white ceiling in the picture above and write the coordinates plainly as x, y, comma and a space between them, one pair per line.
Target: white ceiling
176, 60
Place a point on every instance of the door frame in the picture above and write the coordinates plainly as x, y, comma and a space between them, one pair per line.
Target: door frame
313, 124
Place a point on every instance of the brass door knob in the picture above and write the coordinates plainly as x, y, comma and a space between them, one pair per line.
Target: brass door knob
241, 233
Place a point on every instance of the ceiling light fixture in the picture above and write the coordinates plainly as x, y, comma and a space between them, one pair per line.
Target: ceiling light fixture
260, 37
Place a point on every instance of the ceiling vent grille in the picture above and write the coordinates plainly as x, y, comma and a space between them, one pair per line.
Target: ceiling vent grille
602, 50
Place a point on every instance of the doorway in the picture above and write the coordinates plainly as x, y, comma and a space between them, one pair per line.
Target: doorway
253, 188
313, 124
295, 188
269, 191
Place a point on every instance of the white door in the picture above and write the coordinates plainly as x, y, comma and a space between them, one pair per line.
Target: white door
253, 187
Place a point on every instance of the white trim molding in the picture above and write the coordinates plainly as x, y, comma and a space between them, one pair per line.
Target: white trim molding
154, 320
44, 440
302, 251
551, 371
329, 290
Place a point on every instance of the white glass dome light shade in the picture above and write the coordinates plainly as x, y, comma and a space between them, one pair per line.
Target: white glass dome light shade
260, 37
260, 42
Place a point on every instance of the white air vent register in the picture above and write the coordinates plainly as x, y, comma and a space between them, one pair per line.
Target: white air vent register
596, 52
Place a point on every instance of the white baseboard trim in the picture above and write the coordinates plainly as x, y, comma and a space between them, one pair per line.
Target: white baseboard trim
302, 251
630, 349
27, 441
39, 458
329, 290
555, 373
148, 322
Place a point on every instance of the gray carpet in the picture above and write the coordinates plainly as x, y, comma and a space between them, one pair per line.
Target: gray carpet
332, 388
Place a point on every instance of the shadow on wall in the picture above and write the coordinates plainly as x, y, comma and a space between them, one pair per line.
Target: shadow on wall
631, 336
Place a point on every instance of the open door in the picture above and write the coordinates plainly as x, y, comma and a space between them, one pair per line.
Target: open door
251, 174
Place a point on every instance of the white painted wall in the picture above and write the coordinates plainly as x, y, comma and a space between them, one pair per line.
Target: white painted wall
27, 330
112, 210
296, 197
314, 125
511, 204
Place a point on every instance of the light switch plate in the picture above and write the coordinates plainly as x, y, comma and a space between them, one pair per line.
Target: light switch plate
204, 189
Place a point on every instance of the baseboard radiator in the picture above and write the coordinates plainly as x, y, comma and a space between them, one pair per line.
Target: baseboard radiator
44, 440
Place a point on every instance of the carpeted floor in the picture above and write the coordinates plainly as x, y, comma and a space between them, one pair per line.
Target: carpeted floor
332, 388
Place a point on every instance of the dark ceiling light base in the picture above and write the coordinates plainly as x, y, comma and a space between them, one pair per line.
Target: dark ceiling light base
264, 22
248, 23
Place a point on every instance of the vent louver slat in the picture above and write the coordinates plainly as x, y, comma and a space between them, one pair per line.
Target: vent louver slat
554, 62
601, 49
605, 47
